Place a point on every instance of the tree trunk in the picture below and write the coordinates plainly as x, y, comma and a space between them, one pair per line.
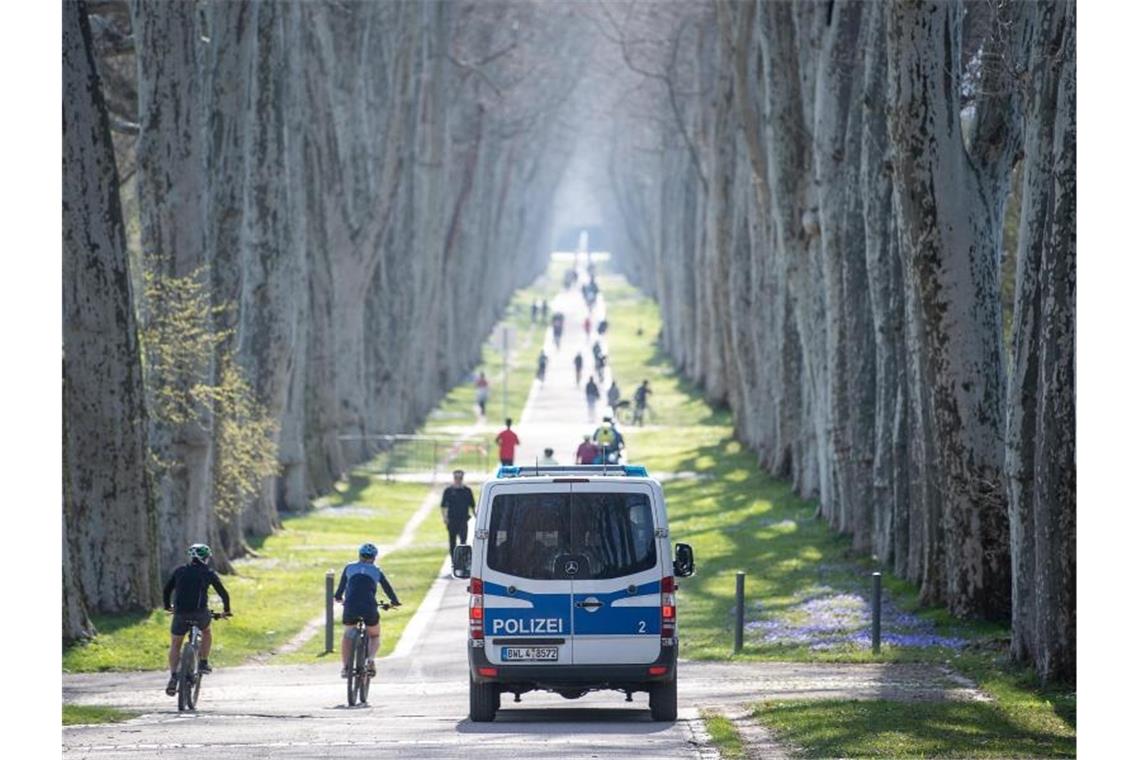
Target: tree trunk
1041, 422
951, 210
108, 513
171, 188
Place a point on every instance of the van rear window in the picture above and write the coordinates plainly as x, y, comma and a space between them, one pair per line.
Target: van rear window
613, 532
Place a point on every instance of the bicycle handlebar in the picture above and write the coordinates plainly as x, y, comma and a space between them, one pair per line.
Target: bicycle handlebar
214, 615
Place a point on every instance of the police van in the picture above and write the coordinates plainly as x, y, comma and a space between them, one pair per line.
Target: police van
572, 587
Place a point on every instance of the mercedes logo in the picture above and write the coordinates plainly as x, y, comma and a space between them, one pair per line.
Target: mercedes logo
571, 567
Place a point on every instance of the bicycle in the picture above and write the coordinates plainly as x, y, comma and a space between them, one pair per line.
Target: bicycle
359, 679
189, 679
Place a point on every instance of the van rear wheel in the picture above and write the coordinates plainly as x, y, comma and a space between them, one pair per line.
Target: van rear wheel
663, 701
484, 701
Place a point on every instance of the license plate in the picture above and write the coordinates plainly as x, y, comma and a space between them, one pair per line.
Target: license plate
531, 654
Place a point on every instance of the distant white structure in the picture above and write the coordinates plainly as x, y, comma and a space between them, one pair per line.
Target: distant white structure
573, 255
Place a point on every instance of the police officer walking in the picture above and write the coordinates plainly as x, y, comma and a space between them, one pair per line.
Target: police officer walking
458, 502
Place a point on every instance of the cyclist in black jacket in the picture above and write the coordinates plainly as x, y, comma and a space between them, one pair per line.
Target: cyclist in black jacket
190, 585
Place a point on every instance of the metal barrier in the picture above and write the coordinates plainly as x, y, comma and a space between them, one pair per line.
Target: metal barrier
399, 454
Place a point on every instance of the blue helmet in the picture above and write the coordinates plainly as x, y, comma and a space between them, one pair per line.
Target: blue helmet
368, 550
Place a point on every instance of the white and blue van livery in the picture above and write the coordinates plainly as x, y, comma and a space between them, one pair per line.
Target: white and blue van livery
572, 586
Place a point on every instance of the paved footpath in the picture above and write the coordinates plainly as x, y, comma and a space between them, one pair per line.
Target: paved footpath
419, 698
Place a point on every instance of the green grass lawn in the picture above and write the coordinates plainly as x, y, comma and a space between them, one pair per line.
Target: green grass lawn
724, 735
275, 594
838, 728
77, 715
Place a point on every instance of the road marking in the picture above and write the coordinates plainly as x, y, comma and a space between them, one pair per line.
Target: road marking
424, 613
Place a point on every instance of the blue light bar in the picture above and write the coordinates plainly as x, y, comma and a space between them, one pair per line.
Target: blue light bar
628, 470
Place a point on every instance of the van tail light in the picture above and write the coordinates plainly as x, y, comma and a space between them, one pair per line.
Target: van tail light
668, 611
475, 609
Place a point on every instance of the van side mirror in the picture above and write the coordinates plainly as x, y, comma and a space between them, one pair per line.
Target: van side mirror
683, 565
461, 561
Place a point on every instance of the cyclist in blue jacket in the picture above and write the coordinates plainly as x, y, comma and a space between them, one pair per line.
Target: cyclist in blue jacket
357, 590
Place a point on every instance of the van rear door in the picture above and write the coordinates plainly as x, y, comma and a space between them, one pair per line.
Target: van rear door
617, 591
526, 592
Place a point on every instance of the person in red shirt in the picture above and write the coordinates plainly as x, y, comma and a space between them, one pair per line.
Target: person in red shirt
587, 451
507, 441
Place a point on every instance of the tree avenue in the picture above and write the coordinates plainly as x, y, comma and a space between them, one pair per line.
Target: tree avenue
816, 194
325, 207
289, 224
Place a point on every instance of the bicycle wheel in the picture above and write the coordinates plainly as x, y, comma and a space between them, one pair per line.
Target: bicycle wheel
185, 675
196, 678
364, 680
351, 680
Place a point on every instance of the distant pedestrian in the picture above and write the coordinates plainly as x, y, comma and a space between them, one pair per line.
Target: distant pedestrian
548, 459
541, 372
586, 324
457, 505
600, 366
556, 323
592, 396
507, 441
578, 368
640, 402
481, 393
603, 326
587, 451
544, 310
613, 395
533, 312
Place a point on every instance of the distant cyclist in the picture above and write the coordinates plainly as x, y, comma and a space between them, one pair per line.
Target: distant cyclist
609, 440
190, 584
357, 589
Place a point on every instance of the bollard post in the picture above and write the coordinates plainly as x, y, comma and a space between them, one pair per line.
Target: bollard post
738, 645
876, 610
329, 611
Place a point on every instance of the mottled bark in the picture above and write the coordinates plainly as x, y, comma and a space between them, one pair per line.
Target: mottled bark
272, 242
890, 530
1041, 423
951, 207
109, 560
171, 189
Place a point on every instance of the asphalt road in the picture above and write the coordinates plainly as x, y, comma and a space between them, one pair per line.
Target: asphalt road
418, 705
